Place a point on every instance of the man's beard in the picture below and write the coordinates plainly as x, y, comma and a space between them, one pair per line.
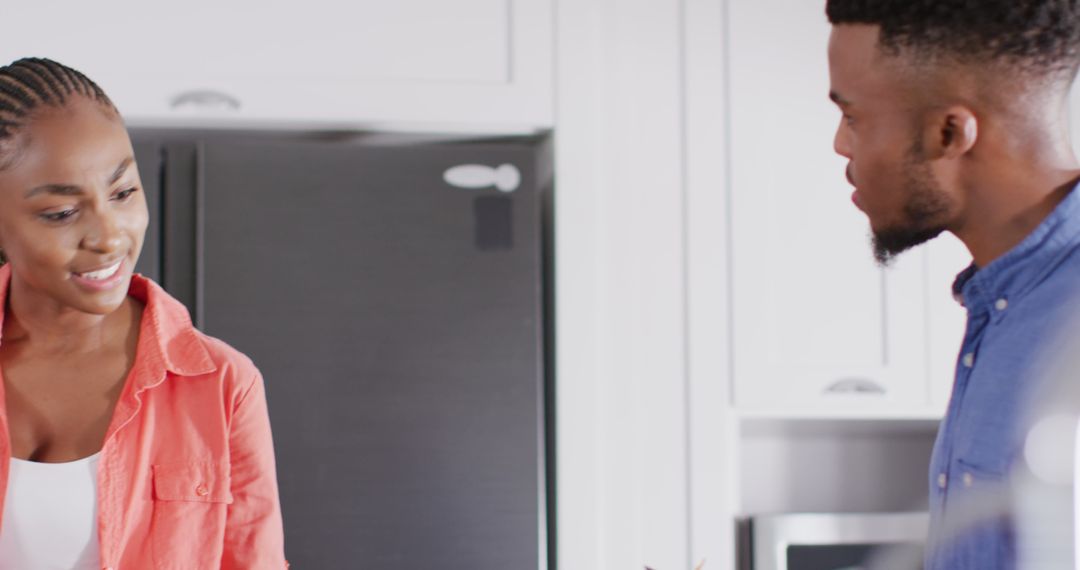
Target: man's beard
924, 213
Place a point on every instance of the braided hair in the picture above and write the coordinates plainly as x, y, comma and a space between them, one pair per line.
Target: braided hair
31, 83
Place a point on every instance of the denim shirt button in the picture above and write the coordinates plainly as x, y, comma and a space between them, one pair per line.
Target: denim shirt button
969, 360
968, 480
942, 481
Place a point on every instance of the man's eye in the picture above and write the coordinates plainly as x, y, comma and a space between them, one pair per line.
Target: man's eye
58, 216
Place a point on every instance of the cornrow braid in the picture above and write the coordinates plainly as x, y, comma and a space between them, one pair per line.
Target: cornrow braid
30, 83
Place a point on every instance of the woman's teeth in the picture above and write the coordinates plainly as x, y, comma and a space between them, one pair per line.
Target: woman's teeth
102, 273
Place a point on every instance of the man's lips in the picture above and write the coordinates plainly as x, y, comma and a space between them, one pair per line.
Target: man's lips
855, 194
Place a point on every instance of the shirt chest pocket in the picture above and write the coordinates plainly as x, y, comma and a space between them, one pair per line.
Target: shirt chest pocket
190, 509
988, 442
201, 482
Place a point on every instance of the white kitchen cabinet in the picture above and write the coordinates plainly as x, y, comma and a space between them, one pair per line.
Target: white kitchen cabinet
818, 327
434, 64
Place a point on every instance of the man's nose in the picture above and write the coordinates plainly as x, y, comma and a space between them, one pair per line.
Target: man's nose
841, 142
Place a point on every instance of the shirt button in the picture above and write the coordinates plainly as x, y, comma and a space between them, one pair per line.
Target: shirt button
968, 480
969, 360
1001, 304
202, 491
942, 481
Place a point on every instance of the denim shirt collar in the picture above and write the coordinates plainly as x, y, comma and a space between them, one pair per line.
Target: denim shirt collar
1008, 278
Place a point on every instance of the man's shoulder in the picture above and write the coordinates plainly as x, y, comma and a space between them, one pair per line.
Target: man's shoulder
1060, 280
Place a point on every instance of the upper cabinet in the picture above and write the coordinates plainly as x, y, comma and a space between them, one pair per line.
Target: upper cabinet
425, 64
818, 327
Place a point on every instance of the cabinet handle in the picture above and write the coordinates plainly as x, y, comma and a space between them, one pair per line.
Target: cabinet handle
855, 386
205, 99
506, 178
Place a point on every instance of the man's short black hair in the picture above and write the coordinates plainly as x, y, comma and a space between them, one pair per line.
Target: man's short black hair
1039, 37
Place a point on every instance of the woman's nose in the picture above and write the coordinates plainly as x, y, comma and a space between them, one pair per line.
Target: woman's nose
103, 234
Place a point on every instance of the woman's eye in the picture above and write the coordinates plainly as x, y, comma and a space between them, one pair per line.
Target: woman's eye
58, 216
125, 194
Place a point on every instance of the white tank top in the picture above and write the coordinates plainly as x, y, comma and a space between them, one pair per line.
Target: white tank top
50, 516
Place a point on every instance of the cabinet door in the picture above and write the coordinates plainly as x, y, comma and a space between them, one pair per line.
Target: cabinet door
397, 321
818, 326
321, 62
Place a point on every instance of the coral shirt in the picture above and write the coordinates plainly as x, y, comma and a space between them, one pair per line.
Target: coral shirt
186, 476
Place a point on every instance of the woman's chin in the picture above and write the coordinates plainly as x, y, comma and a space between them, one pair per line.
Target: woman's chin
101, 302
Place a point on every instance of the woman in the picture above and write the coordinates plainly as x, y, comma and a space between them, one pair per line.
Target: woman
128, 439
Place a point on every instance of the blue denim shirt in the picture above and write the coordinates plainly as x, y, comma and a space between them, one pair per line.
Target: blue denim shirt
1016, 306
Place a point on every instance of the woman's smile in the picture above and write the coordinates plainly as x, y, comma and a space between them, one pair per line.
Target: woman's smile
101, 279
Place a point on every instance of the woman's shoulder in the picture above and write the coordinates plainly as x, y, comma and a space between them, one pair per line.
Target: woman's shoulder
188, 350
234, 369
226, 357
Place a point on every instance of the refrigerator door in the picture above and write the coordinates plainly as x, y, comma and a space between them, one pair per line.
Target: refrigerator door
148, 159
395, 311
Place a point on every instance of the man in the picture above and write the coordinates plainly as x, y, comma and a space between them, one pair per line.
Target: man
955, 119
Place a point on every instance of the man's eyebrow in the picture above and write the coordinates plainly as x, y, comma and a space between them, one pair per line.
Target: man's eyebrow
836, 98
72, 190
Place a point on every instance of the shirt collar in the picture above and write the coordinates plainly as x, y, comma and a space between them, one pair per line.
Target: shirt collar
167, 339
1009, 277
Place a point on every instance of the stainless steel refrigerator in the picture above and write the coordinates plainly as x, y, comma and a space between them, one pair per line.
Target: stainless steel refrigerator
392, 292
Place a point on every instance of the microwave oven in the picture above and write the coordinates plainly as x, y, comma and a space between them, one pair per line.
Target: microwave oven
841, 541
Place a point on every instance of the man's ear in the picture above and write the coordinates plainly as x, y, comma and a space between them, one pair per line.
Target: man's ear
950, 133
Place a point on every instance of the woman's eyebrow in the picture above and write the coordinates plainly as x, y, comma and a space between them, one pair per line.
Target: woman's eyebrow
57, 189
124, 164
73, 190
